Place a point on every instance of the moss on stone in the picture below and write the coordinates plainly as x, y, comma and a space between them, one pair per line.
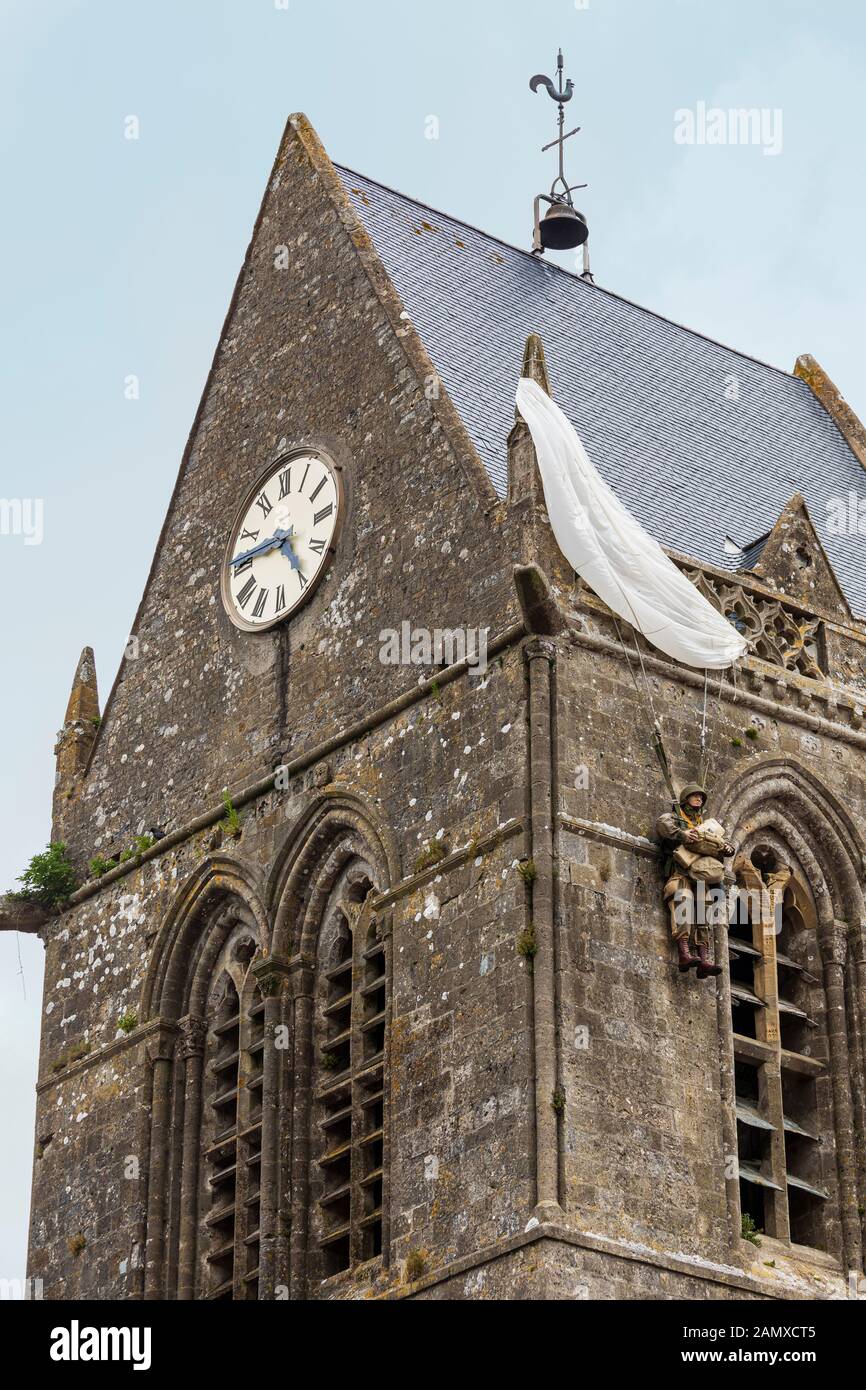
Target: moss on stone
433, 854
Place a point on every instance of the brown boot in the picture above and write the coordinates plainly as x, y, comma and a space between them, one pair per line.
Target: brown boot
685, 958
706, 967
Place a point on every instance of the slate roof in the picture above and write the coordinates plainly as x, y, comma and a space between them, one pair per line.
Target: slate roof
752, 554
647, 396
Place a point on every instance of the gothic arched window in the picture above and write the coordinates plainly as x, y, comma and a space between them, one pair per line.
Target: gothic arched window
210, 1072
781, 1060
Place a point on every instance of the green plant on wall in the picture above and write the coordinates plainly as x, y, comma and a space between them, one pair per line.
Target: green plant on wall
230, 825
49, 879
99, 866
527, 945
528, 872
140, 845
430, 856
416, 1264
750, 1231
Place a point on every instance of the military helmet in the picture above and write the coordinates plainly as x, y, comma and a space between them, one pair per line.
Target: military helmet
692, 789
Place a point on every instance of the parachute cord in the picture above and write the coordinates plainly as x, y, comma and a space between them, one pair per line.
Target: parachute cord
632, 674
645, 678
653, 722
704, 717
636, 628
653, 726
714, 736
704, 756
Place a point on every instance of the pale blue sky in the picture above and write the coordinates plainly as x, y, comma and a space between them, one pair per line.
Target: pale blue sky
119, 258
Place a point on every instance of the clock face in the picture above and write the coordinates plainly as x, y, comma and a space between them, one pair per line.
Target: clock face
282, 540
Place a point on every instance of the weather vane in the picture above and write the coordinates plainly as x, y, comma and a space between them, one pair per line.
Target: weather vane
562, 228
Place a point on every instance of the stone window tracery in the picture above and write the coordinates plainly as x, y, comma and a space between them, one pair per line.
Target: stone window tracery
781, 634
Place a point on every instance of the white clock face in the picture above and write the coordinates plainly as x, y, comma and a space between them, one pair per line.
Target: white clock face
282, 541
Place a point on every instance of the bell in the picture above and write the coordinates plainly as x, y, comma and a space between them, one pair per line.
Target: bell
563, 228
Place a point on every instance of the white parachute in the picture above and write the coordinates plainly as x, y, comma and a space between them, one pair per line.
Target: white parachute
612, 552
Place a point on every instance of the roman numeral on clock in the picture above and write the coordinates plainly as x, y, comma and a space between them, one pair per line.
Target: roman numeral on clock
281, 599
323, 514
314, 494
305, 478
250, 536
318, 546
260, 603
304, 582
241, 569
285, 483
246, 592
264, 503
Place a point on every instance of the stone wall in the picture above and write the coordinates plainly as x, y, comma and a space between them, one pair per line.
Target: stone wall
313, 352
461, 1064
646, 1128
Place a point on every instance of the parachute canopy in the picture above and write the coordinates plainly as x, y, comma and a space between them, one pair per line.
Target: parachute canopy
612, 552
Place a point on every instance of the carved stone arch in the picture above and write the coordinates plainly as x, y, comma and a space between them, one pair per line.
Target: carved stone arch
814, 809
336, 825
219, 881
769, 824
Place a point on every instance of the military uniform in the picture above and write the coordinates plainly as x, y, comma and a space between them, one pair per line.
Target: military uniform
696, 851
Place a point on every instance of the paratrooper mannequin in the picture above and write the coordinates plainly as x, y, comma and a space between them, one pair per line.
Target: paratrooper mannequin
696, 851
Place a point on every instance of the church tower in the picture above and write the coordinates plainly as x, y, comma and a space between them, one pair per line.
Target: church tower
368, 990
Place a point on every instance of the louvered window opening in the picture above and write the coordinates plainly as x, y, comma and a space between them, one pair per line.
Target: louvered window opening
233, 1156
776, 1079
349, 1098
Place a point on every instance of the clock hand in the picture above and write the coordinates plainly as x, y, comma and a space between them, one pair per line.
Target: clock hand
286, 549
273, 542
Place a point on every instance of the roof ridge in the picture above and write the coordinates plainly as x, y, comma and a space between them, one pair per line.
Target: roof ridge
577, 279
